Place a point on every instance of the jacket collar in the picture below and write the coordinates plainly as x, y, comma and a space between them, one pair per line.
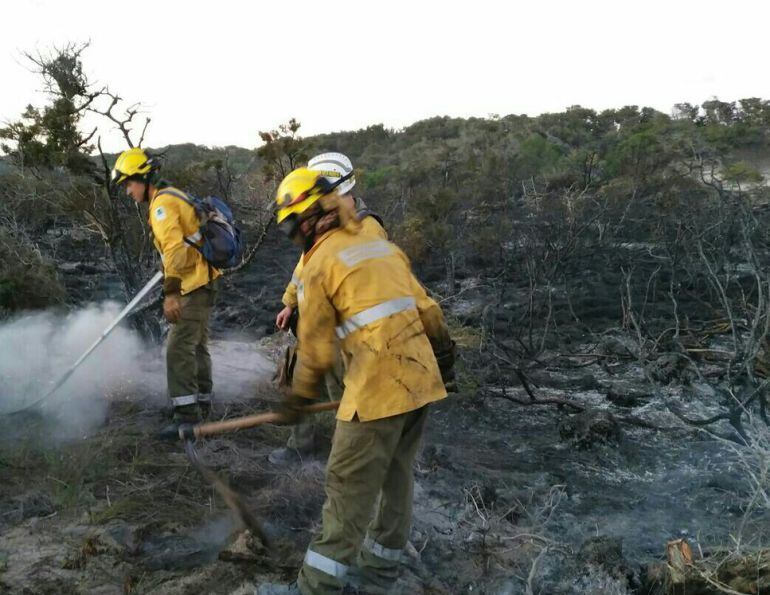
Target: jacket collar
306, 256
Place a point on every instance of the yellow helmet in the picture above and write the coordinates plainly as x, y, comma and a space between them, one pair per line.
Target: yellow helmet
298, 192
133, 164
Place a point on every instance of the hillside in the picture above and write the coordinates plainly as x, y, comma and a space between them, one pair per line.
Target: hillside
604, 274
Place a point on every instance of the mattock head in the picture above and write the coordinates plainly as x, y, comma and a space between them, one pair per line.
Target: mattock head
184, 432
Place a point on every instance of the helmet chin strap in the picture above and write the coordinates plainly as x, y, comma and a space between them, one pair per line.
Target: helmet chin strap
309, 241
149, 178
309, 238
323, 220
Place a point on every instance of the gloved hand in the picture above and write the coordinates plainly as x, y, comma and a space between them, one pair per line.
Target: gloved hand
290, 409
172, 307
446, 362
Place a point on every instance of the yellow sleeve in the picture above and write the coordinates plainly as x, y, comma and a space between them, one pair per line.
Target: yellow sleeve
430, 313
432, 318
290, 294
167, 229
317, 341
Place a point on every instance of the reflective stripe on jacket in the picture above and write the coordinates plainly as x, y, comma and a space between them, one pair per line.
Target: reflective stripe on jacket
172, 220
369, 225
360, 290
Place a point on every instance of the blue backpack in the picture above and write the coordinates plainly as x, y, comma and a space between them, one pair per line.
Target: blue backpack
221, 247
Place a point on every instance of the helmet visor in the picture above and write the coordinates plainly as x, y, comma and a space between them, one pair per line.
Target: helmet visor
290, 226
117, 177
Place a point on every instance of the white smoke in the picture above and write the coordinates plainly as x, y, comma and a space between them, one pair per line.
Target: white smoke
36, 350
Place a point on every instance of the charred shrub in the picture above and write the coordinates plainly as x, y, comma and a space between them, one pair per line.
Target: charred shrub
27, 279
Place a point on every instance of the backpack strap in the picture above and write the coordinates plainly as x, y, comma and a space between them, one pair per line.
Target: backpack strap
178, 194
367, 212
193, 239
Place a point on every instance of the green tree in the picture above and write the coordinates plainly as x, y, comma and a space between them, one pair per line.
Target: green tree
282, 150
51, 136
741, 173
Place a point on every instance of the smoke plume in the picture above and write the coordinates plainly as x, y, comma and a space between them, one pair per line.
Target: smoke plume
37, 349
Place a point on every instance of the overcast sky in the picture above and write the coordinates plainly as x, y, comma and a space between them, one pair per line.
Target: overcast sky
215, 73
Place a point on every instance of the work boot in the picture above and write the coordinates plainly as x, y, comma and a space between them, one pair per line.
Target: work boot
187, 414
278, 589
184, 414
371, 584
300, 446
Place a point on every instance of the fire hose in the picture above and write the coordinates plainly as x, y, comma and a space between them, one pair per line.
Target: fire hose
71, 370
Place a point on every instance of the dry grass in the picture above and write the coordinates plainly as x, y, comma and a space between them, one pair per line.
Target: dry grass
511, 538
122, 472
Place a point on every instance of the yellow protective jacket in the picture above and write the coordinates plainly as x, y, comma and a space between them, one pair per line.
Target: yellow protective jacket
359, 289
369, 225
172, 220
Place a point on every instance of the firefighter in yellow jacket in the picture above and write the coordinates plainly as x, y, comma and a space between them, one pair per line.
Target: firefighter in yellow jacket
303, 440
333, 166
189, 284
359, 290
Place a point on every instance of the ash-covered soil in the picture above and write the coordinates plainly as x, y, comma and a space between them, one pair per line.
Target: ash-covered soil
508, 497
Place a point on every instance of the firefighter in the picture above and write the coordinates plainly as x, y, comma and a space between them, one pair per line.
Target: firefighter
189, 284
303, 440
357, 293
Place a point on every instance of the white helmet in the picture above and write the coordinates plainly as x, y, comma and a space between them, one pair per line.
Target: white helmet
334, 166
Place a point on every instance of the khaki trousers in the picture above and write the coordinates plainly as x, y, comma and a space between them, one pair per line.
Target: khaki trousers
367, 515
188, 363
303, 435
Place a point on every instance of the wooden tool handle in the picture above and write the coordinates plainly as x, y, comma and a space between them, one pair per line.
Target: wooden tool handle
241, 423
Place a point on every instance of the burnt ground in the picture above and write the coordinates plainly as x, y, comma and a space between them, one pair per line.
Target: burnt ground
509, 498
506, 496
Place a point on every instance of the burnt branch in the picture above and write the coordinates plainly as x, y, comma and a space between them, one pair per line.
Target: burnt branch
580, 408
125, 121
252, 250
